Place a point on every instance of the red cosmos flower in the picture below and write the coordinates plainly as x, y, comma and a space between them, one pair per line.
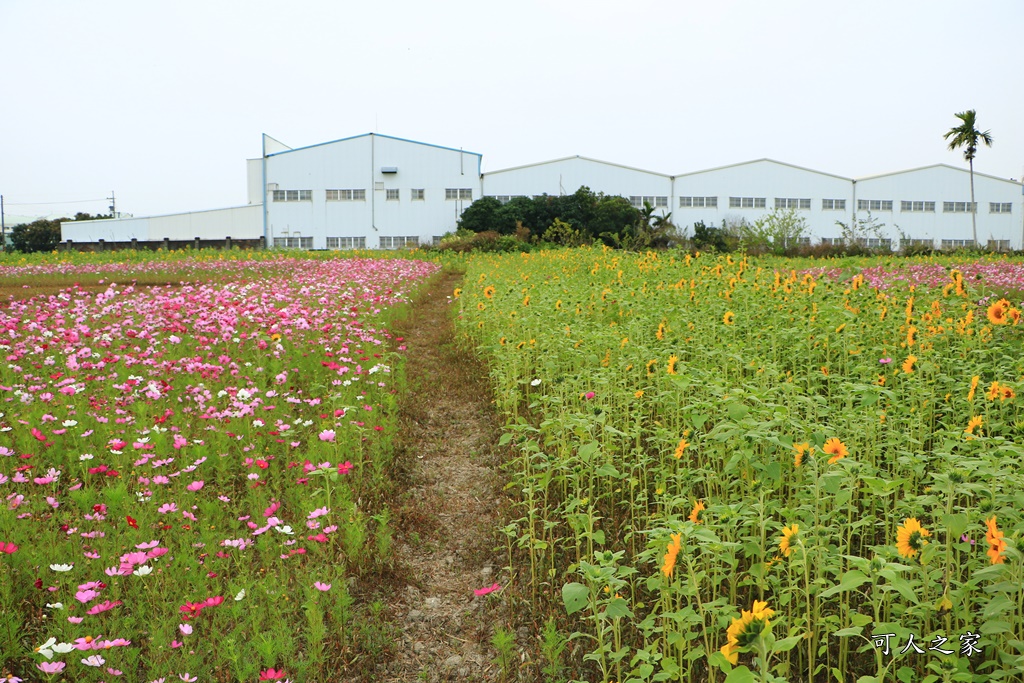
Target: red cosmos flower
131, 522
272, 675
38, 434
9, 549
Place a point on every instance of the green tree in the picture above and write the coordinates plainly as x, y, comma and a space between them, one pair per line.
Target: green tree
40, 235
482, 215
967, 135
777, 231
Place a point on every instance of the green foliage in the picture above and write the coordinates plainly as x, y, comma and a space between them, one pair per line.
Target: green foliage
776, 231
504, 642
591, 216
707, 238
563, 234
40, 235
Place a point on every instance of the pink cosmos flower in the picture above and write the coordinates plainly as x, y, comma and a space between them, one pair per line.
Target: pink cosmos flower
487, 589
114, 672
589, 395
51, 667
94, 660
86, 596
274, 507
345, 467
186, 629
76, 620
8, 548
327, 435
272, 675
321, 586
103, 607
196, 485
176, 644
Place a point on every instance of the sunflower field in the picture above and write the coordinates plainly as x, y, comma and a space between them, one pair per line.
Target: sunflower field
740, 469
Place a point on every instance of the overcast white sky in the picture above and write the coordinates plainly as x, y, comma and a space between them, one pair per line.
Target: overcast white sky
163, 102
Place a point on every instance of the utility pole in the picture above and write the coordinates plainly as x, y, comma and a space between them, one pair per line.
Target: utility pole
113, 205
3, 227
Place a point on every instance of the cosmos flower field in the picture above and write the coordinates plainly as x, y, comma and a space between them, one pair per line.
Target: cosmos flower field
742, 469
191, 472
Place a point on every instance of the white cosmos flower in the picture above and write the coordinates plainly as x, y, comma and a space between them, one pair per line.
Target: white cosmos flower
287, 530
55, 605
535, 382
45, 649
240, 596
94, 660
69, 423
144, 570
62, 567
85, 456
63, 648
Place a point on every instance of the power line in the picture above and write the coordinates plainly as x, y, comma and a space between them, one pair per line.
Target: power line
76, 201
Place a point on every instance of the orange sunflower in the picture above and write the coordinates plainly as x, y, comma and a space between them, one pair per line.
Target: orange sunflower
996, 542
837, 449
671, 552
489, 291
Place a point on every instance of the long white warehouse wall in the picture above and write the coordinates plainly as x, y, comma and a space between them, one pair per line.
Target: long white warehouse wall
243, 222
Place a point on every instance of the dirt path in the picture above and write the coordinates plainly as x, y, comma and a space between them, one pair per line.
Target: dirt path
448, 515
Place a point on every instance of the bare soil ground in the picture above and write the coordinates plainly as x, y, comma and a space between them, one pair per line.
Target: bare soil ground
450, 510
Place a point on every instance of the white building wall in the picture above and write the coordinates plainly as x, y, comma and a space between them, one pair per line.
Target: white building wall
763, 181
243, 222
356, 164
940, 184
565, 176
254, 180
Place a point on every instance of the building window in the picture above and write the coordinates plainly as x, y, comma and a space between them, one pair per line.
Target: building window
830, 241
790, 203
435, 240
957, 244
959, 207
999, 245
293, 242
833, 205
346, 195
803, 241
398, 242
346, 243
997, 207
699, 202
917, 206
874, 242
874, 205
656, 201
293, 195
460, 193
912, 242
416, 195
392, 195
746, 202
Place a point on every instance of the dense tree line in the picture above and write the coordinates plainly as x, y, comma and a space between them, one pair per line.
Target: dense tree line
42, 234
580, 217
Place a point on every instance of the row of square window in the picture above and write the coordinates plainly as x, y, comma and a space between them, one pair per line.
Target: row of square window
389, 242
391, 195
840, 204
874, 243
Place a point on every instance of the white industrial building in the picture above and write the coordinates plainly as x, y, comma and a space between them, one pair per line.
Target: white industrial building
381, 192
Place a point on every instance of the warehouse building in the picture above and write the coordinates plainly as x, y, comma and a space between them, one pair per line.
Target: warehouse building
381, 192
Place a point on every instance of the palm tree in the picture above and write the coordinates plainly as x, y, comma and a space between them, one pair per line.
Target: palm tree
967, 136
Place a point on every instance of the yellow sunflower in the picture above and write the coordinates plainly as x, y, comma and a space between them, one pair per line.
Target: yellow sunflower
910, 538
489, 291
973, 424
908, 364
729, 318
698, 507
997, 312
671, 367
789, 536
801, 449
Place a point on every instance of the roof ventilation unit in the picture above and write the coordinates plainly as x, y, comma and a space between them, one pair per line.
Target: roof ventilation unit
389, 169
